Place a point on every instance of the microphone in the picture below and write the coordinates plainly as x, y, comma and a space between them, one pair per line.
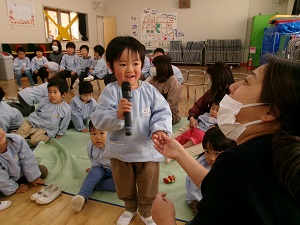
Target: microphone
126, 92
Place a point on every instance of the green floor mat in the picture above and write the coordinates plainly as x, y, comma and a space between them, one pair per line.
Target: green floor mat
67, 160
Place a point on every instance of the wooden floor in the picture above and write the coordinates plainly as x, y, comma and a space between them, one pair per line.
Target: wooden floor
26, 212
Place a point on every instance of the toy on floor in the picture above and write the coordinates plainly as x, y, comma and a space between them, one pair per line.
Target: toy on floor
169, 179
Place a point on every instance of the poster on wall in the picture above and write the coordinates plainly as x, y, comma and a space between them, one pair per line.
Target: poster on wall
20, 13
159, 27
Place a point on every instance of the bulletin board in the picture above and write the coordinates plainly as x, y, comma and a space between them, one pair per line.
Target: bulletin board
20, 13
158, 26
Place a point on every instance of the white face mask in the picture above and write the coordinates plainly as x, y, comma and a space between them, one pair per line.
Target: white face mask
153, 71
228, 110
54, 48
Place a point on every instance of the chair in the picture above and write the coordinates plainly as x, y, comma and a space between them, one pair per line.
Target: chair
196, 78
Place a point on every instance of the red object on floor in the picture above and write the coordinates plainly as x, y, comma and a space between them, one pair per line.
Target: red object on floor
169, 179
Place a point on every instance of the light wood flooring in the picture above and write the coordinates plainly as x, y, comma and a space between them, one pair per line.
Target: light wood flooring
26, 212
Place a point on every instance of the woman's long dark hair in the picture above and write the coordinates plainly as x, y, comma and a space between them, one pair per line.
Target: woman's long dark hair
163, 67
221, 79
281, 88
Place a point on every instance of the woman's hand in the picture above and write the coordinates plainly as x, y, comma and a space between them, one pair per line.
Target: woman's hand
193, 122
163, 204
167, 146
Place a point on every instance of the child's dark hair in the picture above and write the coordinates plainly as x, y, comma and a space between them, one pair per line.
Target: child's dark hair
85, 87
91, 126
116, 47
99, 49
159, 50
61, 84
58, 44
84, 46
20, 49
2, 93
214, 139
71, 44
38, 49
215, 101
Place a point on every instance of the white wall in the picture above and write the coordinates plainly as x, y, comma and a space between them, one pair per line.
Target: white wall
36, 34
204, 20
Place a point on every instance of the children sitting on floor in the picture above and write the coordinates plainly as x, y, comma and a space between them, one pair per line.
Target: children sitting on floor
18, 165
82, 106
69, 65
99, 69
52, 116
37, 65
86, 62
214, 143
194, 136
22, 66
99, 176
10, 118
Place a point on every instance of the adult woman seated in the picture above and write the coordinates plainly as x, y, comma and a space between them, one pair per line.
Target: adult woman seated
221, 78
167, 84
257, 182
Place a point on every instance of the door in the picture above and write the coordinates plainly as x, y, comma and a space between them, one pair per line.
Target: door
110, 30
100, 31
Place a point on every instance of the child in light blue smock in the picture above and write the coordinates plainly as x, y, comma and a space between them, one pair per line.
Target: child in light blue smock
134, 161
52, 116
214, 143
82, 106
22, 66
17, 165
99, 68
99, 176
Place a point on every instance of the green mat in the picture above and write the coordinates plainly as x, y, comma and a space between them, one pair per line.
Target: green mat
66, 160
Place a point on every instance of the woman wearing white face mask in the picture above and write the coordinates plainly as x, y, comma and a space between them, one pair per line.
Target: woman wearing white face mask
257, 182
57, 53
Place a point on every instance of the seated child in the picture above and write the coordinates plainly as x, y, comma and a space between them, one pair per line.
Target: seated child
99, 176
22, 66
10, 118
99, 69
194, 136
37, 65
214, 143
52, 116
18, 165
86, 62
69, 65
82, 106
28, 97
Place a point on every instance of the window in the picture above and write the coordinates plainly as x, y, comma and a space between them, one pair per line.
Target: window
61, 24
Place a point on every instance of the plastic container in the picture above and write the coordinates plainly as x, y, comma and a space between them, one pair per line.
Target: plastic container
6, 66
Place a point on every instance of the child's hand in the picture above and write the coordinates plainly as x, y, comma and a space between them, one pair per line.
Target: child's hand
158, 135
38, 181
22, 70
124, 106
36, 71
88, 170
85, 130
91, 70
193, 122
58, 136
167, 146
22, 188
73, 73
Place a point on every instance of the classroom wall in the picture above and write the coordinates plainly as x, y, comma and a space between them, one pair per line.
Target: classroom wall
36, 34
204, 20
